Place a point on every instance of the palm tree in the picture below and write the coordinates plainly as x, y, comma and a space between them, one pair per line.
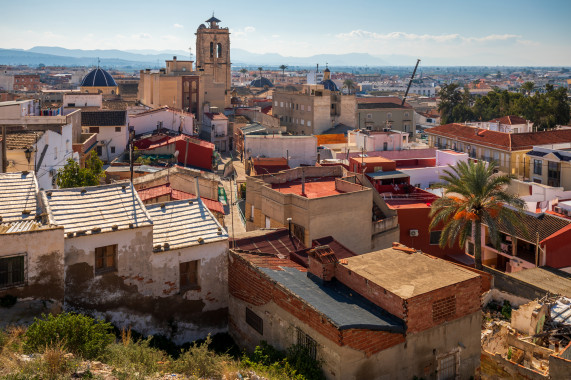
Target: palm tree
527, 87
283, 68
473, 195
260, 70
349, 84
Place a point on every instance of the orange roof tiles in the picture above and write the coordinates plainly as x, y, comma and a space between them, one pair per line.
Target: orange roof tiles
509, 120
314, 187
500, 140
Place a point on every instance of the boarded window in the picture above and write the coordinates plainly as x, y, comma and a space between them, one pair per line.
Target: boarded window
93, 129
117, 129
254, 321
189, 275
444, 308
299, 232
12, 271
307, 343
106, 259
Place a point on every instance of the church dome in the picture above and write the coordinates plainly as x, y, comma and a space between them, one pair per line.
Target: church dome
98, 78
329, 85
261, 83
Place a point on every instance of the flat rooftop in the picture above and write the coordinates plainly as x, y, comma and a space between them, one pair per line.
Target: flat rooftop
315, 187
407, 274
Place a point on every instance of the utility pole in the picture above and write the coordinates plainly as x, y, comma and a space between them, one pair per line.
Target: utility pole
4, 159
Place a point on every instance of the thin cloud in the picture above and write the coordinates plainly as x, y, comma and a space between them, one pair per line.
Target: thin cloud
178, 26
442, 38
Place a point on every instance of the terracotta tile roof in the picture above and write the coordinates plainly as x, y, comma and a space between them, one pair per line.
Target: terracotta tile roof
18, 193
544, 224
148, 143
22, 140
103, 118
276, 242
215, 116
383, 100
166, 189
509, 120
500, 140
96, 209
183, 224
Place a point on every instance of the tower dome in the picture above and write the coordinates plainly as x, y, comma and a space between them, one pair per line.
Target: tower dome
98, 78
261, 83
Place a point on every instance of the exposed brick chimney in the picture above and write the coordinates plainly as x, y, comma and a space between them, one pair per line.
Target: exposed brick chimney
322, 262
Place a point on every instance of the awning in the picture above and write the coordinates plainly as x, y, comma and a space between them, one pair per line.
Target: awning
387, 175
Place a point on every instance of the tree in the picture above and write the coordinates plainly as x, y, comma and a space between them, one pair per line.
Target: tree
283, 68
349, 85
527, 88
72, 175
454, 104
473, 195
260, 70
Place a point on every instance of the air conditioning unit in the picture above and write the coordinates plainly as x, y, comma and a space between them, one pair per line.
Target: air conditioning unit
53, 172
558, 209
413, 233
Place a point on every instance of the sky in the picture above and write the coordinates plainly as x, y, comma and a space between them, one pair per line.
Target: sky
480, 32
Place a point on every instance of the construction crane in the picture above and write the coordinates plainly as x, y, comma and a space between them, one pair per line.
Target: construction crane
410, 83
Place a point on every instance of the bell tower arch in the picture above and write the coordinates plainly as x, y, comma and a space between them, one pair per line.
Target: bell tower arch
213, 52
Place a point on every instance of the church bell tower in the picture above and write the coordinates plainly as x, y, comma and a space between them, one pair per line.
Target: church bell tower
213, 52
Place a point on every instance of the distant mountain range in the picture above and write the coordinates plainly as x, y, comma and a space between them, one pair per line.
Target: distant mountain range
137, 59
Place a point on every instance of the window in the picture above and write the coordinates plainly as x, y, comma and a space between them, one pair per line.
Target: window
537, 164
302, 107
254, 321
435, 237
389, 116
308, 108
307, 342
309, 123
117, 129
276, 103
553, 173
281, 104
302, 122
447, 366
406, 114
252, 214
99, 150
12, 271
385, 146
369, 116
106, 259
299, 232
268, 222
112, 149
93, 129
189, 275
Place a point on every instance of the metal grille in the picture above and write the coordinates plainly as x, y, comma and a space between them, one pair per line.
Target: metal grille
12, 271
254, 321
447, 368
307, 342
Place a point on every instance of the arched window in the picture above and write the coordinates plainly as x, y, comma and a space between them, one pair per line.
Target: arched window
219, 50
211, 49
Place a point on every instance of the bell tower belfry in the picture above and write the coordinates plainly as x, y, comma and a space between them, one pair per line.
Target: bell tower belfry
213, 52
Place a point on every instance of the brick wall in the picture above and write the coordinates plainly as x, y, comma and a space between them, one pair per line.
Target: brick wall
246, 283
417, 311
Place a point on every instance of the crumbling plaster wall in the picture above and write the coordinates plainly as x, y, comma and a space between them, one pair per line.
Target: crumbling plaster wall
143, 293
44, 251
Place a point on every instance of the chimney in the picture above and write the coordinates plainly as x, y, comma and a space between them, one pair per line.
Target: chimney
289, 227
322, 261
197, 189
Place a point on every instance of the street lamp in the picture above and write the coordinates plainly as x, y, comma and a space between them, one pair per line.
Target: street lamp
28, 153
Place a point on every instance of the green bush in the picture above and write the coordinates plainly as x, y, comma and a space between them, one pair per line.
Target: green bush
79, 334
296, 363
136, 358
199, 361
507, 310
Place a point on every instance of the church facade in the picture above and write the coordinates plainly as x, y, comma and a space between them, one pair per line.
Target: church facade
195, 88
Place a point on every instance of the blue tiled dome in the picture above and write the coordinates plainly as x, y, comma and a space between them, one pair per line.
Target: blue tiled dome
98, 78
329, 85
261, 82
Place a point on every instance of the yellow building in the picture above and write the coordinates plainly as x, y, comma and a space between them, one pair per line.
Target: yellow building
182, 86
508, 150
99, 81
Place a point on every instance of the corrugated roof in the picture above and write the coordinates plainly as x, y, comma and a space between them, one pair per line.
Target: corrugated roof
166, 189
183, 224
22, 226
18, 193
108, 208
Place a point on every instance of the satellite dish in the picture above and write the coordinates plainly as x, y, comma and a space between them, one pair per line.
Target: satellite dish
176, 153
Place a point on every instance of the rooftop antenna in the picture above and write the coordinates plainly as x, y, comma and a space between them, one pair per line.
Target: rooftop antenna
190, 52
98, 60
